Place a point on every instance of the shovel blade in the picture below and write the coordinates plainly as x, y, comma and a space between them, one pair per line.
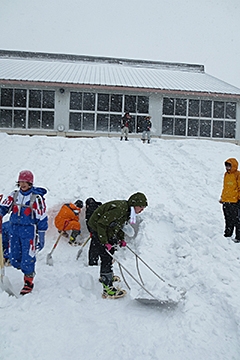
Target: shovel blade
49, 260
7, 286
79, 253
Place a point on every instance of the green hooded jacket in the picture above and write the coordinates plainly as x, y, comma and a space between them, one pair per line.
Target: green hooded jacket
109, 218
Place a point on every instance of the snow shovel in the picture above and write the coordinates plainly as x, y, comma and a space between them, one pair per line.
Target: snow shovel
81, 249
49, 259
5, 283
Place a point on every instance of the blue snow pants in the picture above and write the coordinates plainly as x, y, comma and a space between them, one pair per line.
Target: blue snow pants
22, 248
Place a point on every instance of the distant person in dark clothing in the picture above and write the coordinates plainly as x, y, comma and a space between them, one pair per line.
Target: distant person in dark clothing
147, 124
125, 126
93, 255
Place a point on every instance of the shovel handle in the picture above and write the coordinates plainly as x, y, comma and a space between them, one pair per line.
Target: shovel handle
81, 249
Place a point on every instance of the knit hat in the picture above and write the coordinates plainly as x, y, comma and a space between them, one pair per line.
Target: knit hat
137, 199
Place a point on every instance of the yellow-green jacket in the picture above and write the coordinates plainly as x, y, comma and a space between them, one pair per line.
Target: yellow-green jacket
109, 218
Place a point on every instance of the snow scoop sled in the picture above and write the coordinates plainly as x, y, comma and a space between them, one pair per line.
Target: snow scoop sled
81, 249
4, 283
168, 303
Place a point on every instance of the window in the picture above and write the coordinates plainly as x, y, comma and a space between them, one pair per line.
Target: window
142, 104
218, 110
75, 101
230, 110
103, 102
205, 128
130, 103
20, 97
206, 108
194, 107
19, 119
6, 118
115, 123
27, 109
167, 126
102, 122
34, 120
88, 121
103, 112
199, 118
181, 107
229, 131
116, 103
168, 106
180, 127
193, 126
75, 121
6, 97
88, 101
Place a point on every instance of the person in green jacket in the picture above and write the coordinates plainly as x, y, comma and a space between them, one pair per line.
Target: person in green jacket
106, 229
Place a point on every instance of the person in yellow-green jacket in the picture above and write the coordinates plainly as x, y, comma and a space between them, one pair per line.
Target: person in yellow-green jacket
106, 226
230, 198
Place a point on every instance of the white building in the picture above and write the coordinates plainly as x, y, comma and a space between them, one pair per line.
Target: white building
71, 95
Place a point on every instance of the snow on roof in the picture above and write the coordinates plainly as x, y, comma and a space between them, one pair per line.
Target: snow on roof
100, 71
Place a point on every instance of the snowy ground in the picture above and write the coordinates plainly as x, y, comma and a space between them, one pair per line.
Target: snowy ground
179, 235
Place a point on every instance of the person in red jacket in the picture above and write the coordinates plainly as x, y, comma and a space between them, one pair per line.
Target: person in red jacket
68, 219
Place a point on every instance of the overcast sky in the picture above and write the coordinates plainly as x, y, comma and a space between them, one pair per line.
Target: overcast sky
203, 32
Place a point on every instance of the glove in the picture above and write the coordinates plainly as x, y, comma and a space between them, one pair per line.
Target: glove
108, 246
122, 243
41, 240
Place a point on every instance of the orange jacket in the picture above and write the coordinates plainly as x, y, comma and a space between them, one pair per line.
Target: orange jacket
231, 183
68, 218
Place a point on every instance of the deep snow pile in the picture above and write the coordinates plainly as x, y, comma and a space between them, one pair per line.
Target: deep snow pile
180, 235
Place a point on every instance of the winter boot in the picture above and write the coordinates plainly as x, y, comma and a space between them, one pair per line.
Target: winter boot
28, 285
73, 236
121, 138
109, 291
143, 140
148, 141
126, 139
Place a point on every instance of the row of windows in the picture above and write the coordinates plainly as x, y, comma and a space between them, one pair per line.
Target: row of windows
103, 122
26, 120
199, 118
198, 128
36, 98
199, 108
105, 111
109, 102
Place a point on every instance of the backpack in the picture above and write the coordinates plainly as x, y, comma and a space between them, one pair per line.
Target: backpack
91, 205
33, 198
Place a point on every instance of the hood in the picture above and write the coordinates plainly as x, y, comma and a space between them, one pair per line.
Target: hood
234, 164
39, 191
137, 199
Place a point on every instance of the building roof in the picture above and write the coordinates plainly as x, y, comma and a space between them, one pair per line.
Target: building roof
112, 72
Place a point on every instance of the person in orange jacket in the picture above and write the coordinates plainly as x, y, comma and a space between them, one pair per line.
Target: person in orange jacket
230, 198
68, 219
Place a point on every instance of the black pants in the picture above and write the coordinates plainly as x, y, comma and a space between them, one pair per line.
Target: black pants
231, 214
96, 250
